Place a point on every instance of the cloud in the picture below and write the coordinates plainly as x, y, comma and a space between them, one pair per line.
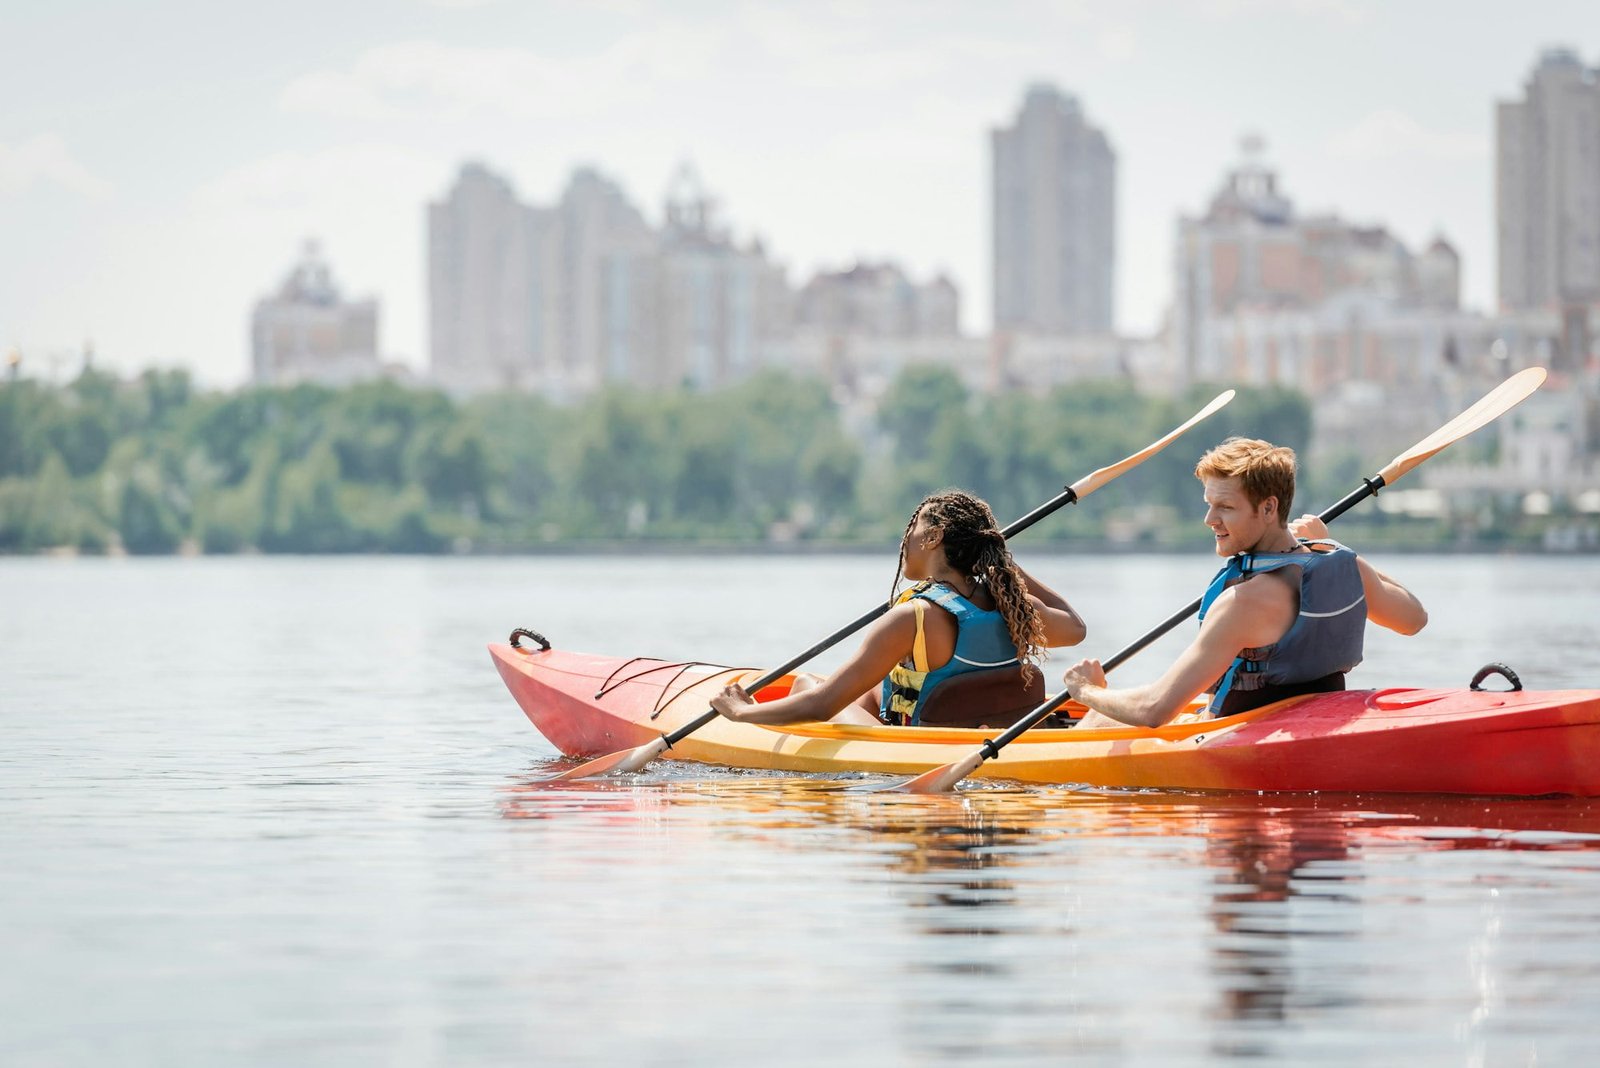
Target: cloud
1390, 134
1352, 12
45, 160
295, 181
412, 79
1117, 43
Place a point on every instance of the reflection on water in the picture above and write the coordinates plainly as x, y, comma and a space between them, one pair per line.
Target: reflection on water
1303, 922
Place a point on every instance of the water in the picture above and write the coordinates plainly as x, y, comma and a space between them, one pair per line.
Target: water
282, 811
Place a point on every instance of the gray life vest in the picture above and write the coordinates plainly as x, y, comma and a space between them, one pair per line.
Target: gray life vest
1320, 646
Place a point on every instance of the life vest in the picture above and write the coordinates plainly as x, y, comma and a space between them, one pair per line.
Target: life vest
982, 643
1322, 644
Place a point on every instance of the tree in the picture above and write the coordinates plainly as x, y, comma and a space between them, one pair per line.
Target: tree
146, 517
307, 516
451, 463
918, 398
830, 469
622, 464
25, 411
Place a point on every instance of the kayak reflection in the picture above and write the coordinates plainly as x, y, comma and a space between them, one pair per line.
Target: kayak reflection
1279, 907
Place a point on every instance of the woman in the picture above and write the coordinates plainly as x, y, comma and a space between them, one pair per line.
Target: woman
988, 613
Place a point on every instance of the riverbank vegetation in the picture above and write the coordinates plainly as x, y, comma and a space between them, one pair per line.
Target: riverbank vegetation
154, 465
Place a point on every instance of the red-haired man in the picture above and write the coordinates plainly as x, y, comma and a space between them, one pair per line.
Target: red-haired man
1284, 616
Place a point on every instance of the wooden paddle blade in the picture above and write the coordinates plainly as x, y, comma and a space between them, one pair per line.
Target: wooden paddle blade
1498, 401
626, 760
1091, 482
942, 779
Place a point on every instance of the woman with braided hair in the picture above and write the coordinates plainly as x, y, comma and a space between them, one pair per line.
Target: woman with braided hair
991, 617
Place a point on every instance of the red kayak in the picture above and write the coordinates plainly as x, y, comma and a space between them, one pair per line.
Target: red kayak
1520, 742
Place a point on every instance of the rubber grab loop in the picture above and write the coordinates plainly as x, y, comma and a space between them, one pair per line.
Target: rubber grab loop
524, 632
1496, 669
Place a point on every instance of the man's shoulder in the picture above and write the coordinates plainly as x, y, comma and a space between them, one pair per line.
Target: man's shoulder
1263, 602
1261, 589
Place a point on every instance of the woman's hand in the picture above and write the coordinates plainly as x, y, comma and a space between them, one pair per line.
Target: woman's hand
733, 703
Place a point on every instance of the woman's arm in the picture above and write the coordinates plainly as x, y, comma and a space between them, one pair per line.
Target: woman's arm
1062, 625
887, 642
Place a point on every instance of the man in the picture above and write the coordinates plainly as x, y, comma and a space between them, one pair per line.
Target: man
1284, 616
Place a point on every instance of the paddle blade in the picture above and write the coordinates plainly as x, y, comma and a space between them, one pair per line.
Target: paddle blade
940, 780
1091, 482
626, 760
1497, 402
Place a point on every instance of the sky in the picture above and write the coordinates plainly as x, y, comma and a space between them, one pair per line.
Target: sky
162, 164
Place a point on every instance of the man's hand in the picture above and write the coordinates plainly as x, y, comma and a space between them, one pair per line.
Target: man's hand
1309, 527
1083, 673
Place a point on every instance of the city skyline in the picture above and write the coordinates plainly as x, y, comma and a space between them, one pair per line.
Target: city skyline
148, 200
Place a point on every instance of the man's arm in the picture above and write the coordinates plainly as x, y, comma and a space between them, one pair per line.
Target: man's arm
1389, 604
1250, 614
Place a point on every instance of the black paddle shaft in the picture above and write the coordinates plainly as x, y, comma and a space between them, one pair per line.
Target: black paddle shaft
1065, 497
991, 748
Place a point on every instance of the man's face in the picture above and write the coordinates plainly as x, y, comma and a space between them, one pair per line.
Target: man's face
1237, 524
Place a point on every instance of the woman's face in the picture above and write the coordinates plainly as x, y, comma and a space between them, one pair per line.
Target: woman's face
923, 542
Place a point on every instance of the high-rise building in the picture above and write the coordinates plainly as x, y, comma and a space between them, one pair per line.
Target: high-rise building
1547, 197
1054, 219
693, 307
487, 255
1547, 189
516, 292
565, 298
306, 332
601, 239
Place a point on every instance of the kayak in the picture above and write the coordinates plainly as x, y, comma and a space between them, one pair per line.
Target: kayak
1398, 740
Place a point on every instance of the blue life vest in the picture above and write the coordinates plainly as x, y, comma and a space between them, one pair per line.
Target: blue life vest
1320, 646
982, 642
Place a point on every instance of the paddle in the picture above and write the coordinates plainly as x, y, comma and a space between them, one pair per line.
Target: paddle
634, 759
1497, 402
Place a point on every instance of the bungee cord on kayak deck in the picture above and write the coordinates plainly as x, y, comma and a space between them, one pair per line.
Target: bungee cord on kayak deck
663, 701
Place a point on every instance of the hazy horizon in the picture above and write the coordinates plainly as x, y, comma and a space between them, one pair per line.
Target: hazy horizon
161, 166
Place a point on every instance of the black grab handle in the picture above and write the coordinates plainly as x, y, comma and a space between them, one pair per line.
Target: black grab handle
524, 632
1496, 669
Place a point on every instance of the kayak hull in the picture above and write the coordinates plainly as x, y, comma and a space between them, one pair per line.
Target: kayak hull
1524, 743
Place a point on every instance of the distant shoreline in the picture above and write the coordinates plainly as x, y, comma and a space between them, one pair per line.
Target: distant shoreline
777, 549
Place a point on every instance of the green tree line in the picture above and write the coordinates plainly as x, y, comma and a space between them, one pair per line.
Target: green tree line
153, 465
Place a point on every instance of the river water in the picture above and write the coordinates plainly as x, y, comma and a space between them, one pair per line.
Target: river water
269, 811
